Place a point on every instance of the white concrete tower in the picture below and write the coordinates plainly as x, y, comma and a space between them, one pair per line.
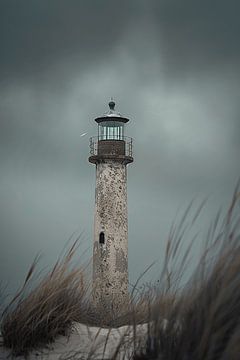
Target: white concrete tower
111, 151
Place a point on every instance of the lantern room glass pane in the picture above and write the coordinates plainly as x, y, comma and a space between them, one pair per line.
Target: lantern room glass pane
111, 130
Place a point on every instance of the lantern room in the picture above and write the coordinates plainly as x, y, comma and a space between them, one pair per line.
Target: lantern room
111, 124
111, 142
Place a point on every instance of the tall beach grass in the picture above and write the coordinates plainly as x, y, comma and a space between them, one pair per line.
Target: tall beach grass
34, 319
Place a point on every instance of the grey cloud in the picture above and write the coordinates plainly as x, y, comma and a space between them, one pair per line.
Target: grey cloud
190, 35
38, 34
198, 35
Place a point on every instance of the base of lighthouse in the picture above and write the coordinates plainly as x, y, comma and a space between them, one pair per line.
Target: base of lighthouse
110, 250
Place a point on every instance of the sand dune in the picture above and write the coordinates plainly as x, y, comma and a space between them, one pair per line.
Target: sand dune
101, 343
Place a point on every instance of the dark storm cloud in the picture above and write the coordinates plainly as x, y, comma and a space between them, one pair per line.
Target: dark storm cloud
198, 34
36, 34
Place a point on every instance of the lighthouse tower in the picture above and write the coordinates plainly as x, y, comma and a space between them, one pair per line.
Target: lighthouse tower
110, 151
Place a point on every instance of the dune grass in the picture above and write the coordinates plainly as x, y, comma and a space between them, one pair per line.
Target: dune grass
203, 317
196, 320
35, 319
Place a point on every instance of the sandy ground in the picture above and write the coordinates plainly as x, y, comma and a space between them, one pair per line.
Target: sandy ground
84, 341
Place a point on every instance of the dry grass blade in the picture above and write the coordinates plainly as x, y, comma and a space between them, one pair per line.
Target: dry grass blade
20, 292
48, 310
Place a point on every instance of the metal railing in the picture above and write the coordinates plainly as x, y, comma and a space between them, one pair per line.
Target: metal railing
96, 143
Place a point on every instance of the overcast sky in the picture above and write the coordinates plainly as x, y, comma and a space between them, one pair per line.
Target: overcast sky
173, 68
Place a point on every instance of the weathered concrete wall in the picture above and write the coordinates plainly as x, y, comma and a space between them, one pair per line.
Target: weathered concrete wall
110, 260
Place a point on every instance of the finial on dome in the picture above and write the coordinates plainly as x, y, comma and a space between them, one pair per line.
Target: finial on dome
111, 104
111, 114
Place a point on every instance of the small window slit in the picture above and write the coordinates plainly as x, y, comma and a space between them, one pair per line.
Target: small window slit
101, 238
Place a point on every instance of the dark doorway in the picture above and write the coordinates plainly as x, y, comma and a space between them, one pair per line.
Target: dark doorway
101, 238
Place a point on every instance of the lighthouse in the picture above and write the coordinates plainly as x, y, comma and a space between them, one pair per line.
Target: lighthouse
111, 152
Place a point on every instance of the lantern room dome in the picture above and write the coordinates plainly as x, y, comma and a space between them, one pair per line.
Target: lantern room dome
111, 114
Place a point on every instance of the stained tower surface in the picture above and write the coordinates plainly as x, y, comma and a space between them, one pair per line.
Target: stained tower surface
111, 151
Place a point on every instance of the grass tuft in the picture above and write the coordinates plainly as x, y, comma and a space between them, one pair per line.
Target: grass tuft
202, 319
34, 320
